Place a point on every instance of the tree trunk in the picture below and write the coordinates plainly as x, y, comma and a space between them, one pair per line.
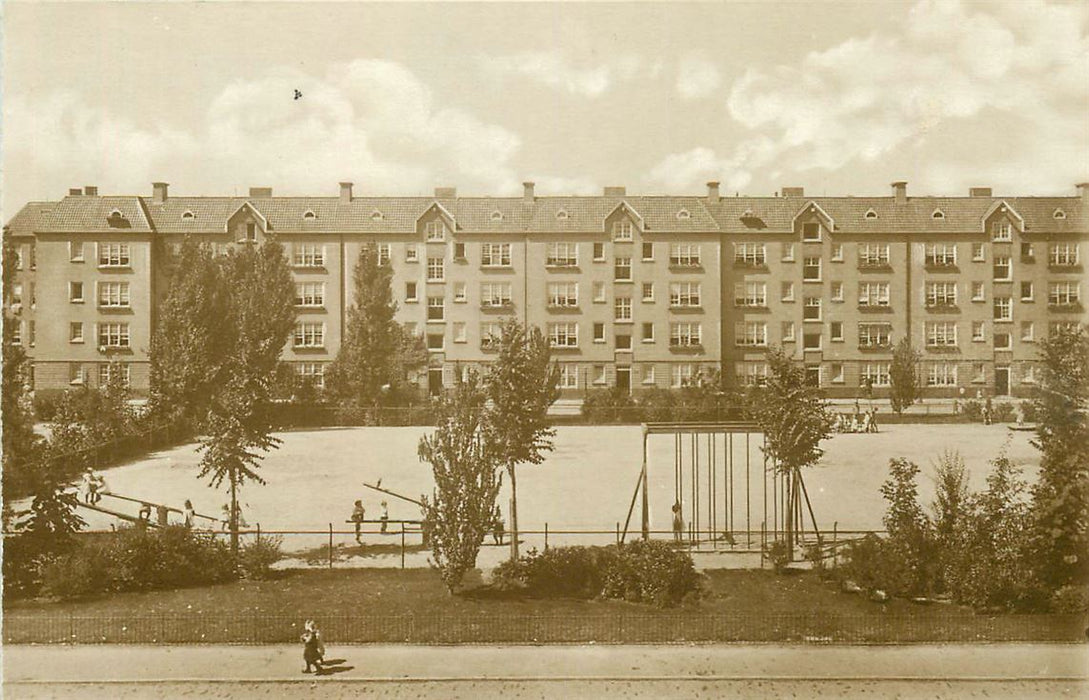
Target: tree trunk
513, 513
234, 512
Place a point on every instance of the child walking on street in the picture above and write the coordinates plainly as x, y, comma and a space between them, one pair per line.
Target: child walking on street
311, 646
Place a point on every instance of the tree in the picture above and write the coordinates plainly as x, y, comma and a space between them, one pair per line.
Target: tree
20, 445
953, 509
794, 419
903, 375
259, 295
522, 384
1059, 513
467, 480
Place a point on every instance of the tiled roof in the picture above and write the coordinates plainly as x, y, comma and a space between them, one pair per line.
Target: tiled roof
514, 215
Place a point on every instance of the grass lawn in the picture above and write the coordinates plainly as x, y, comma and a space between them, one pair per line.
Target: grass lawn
382, 605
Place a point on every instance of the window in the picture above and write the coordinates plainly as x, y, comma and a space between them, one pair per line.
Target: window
873, 255
309, 334
461, 295
787, 331
459, 252
942, 374
1002, 268
107, 369
750, 254
75, 251
684, 294
113, 255
312, 373
16, 331
495, 254
1026, 291
1062, 254
648, 251
811, 269
495, 294
837, 331
1028, 331
871, 214
938, 214
599, 374
787, 254
113, 294
1003, 341
599, 252
684, 254
979, 331
648, 332
1001, 231
811, 340
435, 231
752, 374
251, 231
563, 335
1003, 309
384, 256
648, 291
978, 254
435, 341
873, 294
751, 294
811, 232
787, 293
622, 269
1059, 214
648, 374
17, 293
979, 291
1028, 373
562, 254
436, 308
33, 337
811, 310
599, 332
941, 334
941, 255
75, 373
682, 375
599, 292
569, 376
622, 230
75, 292
312, 255
751, 333
435, 270
874, 374
1063, 293
622, 308
459, 332
837, 291
837, 252
113, 335
75, 332
979, 373
1056, 327
874, 335
941, 294
412, 253
684, 334
310, 294
491, 333
1027, 253
623, 342
563, 294
410, 291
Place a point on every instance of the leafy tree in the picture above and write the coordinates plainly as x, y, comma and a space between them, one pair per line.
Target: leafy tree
522, 384
20, 445
909, 543
953, 510
259, 294
707, 397
904, 375
467, 479
187, 346
1059, 498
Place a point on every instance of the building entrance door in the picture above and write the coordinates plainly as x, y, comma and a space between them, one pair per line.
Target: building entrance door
813, 375
1001, 381
434, 381
623, 379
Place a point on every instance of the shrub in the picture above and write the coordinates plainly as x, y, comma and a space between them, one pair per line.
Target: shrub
255, 559
45, 404
973, 411
1070, 599
778, 553
84, 572
576, 572
658, 405
1003, 412
1028, 410
652, 572
610, 406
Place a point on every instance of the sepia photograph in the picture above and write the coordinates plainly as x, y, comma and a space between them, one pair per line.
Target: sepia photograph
545, 349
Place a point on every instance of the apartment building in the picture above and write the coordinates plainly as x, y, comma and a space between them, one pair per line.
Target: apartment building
633, 291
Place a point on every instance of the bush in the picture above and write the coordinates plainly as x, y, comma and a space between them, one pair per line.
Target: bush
255, 559
610, 406
867, 562
973, 411
576, 572
652, 572
658, 405
45, 404
778, 553
1070, 599
1003, 412
1028, 410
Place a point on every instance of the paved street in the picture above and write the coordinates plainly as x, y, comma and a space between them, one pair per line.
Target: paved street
1008, 670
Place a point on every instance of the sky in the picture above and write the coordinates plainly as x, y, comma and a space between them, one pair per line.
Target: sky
837, 97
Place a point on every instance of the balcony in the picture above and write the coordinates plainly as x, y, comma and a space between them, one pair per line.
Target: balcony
761, 266
940, 266
1064, 266
874, 266
496, 307
1065, 307
875, 308
943, 307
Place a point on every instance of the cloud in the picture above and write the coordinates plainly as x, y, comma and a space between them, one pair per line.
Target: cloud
371, 120
994, 84
697, 77
555, 70
691, 169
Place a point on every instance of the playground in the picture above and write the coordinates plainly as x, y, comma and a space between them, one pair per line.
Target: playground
582, 494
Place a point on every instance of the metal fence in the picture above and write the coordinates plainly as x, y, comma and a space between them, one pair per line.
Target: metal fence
616, 627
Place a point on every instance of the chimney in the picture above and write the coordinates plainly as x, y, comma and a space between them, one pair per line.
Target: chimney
90, 190
75, 191
900, 191
712, 192
1083, 190
793, 191
263, 192
615, 191
979, 191
345, 193
158, 192
446, 192
527, 192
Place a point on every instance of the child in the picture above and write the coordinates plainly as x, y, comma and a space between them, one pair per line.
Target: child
497, 526
311, 628
678, 522
311, 646
188, 513
385, 516
358, 514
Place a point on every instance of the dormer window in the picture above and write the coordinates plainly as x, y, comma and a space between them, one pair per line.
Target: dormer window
187, 215
1059, 214
747, 214
871, 214
251, 232
684, 214
435, 230
377, 215
497, 216
310, 214
938, 214
117, 220
562, 215
622, 230
811, 232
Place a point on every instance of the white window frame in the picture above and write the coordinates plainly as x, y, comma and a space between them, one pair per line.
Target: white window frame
73, 336
622, 309
941, 293
751, 334
436, 302
435, 231
837, 291
620, 263
752, 254
1003, 308
1063, 254
412, 253
874, 255
623, 230
308, 334
569, 376
114, 255
941, 334
648, 292
812, 303
73, 298
750, 294
495, 295
941, 254
979, 252
807, 265
310, 295
1001, 231
461, 292
684, 255
875, 335
563, 295
114, 334
941, 374
979, 331
1002, 261
436, 269
787, 331
877, 372
685, 334
874, 294
685, 295
495, 254
310, 255
562, 254
787, 292
1064, 293
564, 334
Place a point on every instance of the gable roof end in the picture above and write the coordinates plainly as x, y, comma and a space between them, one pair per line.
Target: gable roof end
1003, 206
624, 206
244, 205
443, 212
812, 206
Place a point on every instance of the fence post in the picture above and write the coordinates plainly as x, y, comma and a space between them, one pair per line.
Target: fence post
835, 549
402, 545
258, 533
330, 545
618, 533
546, 536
